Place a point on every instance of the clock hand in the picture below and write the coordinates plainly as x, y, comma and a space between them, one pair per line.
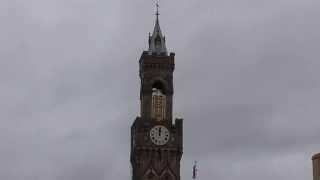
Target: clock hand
160, 131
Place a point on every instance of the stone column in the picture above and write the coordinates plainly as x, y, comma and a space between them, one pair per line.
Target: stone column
316, 166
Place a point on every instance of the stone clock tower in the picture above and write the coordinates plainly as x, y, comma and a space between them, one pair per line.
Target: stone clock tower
156, 139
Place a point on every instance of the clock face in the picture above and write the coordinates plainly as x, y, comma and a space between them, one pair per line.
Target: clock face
159, 135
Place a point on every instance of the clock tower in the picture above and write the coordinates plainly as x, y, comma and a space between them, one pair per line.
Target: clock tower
156, 139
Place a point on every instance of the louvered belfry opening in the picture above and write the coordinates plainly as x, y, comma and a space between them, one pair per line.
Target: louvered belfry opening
158, 109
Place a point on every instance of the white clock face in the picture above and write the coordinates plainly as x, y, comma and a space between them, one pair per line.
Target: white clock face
159, 135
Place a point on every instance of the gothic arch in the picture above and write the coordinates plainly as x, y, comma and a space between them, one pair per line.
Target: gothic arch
150, 174
167, 175
160, 83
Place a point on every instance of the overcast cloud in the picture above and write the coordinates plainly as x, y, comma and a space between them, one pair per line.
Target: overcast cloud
246, 82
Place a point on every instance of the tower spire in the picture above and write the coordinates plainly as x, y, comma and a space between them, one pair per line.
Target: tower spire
157, 42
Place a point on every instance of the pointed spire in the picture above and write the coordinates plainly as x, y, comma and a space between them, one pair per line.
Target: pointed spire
157, 42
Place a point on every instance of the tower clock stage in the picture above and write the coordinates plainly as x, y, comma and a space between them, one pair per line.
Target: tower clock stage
156, 140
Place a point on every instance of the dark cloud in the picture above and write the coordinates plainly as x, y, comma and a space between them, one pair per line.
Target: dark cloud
246, 83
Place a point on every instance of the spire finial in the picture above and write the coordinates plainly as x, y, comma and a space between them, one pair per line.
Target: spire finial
157, 12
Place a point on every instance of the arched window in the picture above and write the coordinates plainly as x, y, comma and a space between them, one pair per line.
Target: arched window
158, 43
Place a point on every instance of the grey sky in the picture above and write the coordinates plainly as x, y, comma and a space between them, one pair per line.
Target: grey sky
246, 83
